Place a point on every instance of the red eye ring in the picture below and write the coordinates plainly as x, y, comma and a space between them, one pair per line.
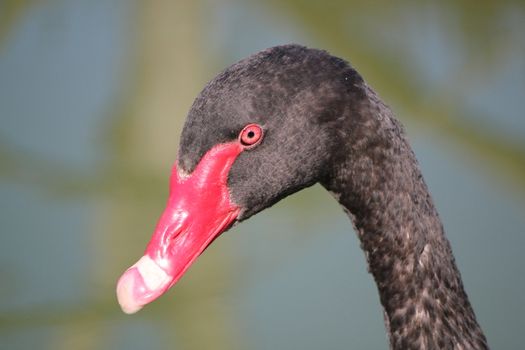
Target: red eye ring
251, 135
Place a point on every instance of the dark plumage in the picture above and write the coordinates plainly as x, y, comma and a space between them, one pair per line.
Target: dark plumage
324, 124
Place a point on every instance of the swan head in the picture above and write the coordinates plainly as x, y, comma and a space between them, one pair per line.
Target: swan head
264, 128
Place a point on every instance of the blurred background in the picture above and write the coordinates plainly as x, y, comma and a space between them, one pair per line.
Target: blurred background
93, 95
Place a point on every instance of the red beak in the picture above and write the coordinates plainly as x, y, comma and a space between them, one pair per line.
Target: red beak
198, 211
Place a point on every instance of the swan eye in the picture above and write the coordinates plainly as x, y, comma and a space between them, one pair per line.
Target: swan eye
251, 135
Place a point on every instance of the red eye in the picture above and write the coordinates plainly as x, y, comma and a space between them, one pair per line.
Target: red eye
251, 135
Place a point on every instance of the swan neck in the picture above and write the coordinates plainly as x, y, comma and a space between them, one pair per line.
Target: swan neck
377, 180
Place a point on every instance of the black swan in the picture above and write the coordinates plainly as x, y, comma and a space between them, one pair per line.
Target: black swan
284, 119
